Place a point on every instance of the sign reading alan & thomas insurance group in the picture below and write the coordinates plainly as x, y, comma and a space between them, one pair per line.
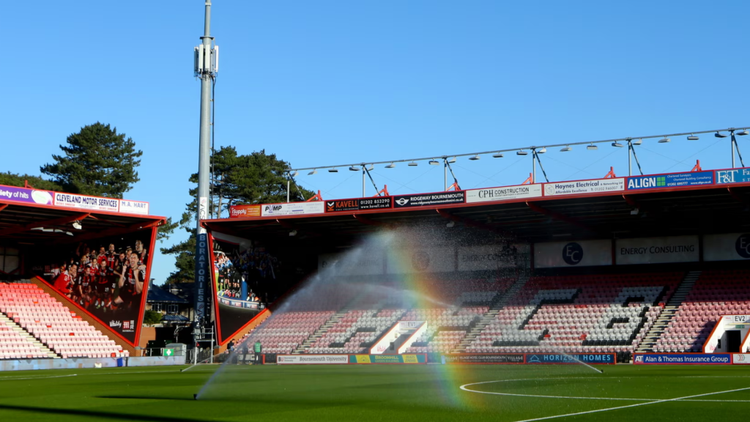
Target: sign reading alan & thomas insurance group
358, 204
581, 187
428, 199
504, 193
657, 250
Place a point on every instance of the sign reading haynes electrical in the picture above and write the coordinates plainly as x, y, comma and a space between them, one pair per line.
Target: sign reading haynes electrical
674, 180
484, 358
585, 253
657, 250
726, 247
682, 359
312, 359
358, 204
503, 193
292, 208
430, 199
387, 359
584, 186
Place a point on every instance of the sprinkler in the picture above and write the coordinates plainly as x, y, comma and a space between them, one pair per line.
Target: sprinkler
195, 397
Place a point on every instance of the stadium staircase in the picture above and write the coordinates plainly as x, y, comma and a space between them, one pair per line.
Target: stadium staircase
661, 323
15, 334
491, 315
335, 318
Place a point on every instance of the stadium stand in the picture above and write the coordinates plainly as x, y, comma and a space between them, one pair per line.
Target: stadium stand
715, 293
47, 327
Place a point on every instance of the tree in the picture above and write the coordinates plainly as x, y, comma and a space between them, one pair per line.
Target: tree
97, 161
11, 179
257, 178
151, 317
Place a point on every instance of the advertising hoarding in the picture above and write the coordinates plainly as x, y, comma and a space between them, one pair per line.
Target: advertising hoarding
504, 193
239, 211
489, 257
312, 359
240, 270
484, 358
25, 195
584, 253
681, 359
428, 199
732, 176
388, 359
573, 358
657, 250
581, 187
726, 247
292, 208
421, 260
672, 180
358, 204
107, 278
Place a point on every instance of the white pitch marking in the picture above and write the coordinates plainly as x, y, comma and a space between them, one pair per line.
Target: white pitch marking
633, 405
36, 378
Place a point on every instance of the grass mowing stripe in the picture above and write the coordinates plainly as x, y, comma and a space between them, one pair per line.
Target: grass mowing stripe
36, 378
633, 405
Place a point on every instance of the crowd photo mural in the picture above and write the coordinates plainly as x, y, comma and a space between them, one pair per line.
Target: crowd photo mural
242, 270
107, 278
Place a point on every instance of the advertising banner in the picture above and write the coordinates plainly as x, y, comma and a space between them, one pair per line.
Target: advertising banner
674, 180
503, 193
28, 196
241, 271
516, 358
581, 187
370, 359
584, 253
202, 272
726, 247
741, 359
428, 199
292, 208
312, 359
426, 260
657, 250
239, 211
681, 359
573, 358
370, 263
107, 278
85, 202
732, 176
358, 204
133, 207
490, 257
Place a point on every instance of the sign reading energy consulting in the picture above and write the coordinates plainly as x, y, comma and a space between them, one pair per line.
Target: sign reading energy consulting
657, 250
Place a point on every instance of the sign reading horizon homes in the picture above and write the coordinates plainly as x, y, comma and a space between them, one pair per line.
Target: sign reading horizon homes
429, 199
358, 204
673, 180
584, 187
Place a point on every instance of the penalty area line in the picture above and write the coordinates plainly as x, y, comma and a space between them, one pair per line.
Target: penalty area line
609, 409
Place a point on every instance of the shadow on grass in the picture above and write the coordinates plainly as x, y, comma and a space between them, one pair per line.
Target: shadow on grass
96, 414
145, 398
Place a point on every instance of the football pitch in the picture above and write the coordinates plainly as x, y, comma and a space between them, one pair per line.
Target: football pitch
378, 393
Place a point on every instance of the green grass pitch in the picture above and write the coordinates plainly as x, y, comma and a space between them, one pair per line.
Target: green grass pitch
379, 393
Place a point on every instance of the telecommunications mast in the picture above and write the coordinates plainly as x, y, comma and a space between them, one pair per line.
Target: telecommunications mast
206, 66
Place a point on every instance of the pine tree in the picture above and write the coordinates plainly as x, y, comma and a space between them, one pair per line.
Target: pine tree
96, 161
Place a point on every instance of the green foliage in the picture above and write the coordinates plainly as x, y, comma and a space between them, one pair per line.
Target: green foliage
11, 179
96, 161
257, 178
151, 317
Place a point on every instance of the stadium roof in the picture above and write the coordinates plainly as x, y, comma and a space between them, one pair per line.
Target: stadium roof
623, 214
53, 223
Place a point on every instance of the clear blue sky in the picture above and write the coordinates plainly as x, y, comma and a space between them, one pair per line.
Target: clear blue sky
331, 82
